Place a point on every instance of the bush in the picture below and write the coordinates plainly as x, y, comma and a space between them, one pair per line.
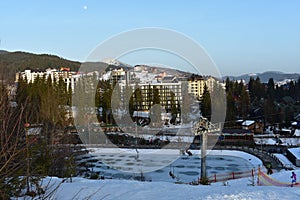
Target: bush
94, 176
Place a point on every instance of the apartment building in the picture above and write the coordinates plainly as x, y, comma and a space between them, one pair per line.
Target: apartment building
196, 86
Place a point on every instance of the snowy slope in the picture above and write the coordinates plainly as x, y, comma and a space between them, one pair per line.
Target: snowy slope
115, 189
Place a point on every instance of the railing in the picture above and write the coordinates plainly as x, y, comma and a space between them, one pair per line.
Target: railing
232, 175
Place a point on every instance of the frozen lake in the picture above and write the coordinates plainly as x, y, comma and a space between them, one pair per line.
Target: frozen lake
155, 165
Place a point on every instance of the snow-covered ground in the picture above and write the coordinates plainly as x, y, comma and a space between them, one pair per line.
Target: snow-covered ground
239, 189
273, 141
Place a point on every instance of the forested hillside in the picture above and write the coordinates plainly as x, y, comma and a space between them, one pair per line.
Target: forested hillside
12, 62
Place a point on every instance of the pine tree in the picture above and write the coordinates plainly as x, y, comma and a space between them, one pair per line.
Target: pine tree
174, 109
270, 111
271, 88
244, 103
155, 111
298, 89
187, 101
138, 98
228, 84
251, 89
206, 103
116, 100
218, 103
230, 120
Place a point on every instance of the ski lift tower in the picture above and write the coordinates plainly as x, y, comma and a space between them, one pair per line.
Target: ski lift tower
203, 127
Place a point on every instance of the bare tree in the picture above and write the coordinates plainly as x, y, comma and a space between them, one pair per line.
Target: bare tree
12, 148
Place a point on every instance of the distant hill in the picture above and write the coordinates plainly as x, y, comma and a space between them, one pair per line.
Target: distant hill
3, 52
12, 62
265, 76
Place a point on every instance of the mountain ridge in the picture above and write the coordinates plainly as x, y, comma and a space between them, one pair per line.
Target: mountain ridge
12, 62
265, 76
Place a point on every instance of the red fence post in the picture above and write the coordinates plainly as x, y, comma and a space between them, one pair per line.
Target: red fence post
258, 175
232, 175
215, 177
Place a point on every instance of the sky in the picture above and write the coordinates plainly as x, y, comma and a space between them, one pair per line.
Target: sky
241, 37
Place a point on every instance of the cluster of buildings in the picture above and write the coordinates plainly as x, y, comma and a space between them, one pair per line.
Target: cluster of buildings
171, 87
146, 78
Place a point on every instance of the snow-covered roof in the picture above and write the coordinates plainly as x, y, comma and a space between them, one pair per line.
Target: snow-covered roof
297, 132
295, 124
295, 152
286, 130
284, 160
169, 79
34, 131
144, 114
248, 122
106, 76
146, 77
268, 141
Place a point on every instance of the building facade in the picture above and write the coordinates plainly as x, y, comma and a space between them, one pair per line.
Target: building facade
196, 86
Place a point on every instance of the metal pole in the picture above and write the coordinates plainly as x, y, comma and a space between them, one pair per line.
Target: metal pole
260, 143
89, 131
203, 156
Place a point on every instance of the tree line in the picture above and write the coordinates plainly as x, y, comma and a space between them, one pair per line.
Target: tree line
44, 100
25, 158
261, 101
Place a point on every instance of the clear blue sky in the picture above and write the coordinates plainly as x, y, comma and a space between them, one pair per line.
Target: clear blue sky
241, 36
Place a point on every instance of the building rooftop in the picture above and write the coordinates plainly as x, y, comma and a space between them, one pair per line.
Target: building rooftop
169, 79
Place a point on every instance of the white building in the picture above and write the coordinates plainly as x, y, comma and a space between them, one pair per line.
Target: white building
68, 76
